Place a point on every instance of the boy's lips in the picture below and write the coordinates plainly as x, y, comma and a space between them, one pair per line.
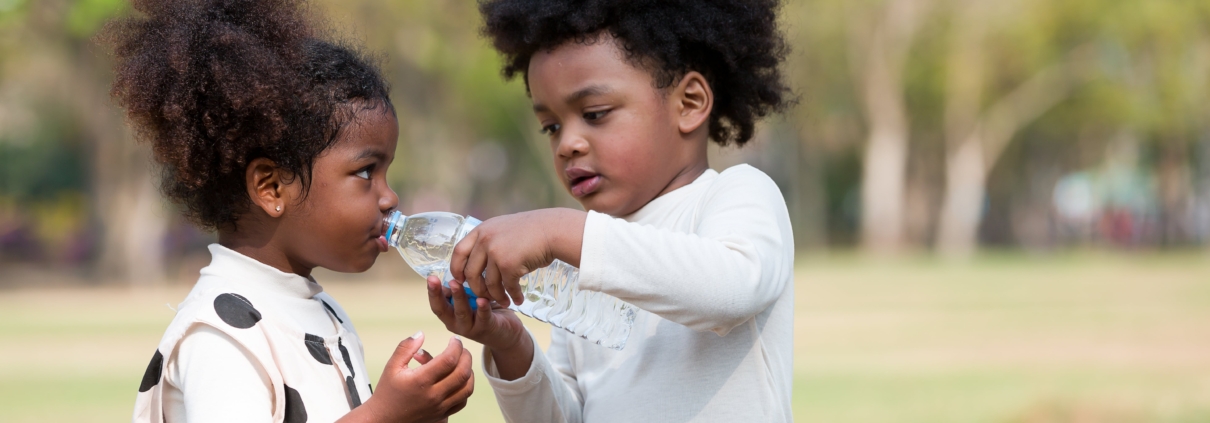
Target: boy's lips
382, 243
582, 181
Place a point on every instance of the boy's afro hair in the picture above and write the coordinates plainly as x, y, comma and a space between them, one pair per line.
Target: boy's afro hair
215, 84
735, 44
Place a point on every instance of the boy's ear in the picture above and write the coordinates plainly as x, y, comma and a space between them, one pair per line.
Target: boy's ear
267, 186
694, 101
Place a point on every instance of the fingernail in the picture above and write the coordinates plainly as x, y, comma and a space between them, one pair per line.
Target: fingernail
459, 338
417, 335
423, 352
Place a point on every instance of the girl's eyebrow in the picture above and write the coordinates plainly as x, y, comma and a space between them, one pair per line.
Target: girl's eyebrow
371, 153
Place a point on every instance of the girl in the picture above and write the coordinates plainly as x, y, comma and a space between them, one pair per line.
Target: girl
279, 140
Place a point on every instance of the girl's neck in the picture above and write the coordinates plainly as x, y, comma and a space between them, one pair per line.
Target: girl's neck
263, 249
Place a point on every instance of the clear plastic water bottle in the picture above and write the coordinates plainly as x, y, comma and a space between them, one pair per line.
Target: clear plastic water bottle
426, 241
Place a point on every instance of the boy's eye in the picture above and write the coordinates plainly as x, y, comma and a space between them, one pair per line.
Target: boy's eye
551, 129
590, 116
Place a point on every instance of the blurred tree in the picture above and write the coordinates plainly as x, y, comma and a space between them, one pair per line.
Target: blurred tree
880, 35
984, 108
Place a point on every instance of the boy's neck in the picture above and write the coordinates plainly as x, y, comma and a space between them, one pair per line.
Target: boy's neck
685, 177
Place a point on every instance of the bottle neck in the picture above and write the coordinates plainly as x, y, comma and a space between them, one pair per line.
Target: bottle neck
394, 226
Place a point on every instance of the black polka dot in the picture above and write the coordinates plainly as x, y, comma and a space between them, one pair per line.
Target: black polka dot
348, 361
296, 412
354, 397
315, 345
371, 388
236, 311
154, 369
330, 310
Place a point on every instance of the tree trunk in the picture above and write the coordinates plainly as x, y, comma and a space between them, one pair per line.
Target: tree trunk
878, 49
962, 208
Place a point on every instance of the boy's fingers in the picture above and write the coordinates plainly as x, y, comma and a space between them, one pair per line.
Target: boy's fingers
437, 300
404, 351
484, 313
463, 322
461, 251
474, 268
513, 285
495, 290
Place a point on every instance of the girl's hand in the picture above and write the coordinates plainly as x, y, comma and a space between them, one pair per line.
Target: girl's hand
428, 393
508, 247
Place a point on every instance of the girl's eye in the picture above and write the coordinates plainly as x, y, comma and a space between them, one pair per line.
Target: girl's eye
364, 173
551, 129
591, 116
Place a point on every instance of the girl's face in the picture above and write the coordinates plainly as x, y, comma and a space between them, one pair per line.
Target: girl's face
617, 140
338, 223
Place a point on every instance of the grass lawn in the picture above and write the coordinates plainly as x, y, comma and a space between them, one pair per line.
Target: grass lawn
1009, 338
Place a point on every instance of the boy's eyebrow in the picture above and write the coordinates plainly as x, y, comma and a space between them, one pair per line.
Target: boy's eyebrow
580, 94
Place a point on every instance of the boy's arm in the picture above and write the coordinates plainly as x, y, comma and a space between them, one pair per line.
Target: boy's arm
545, 392
734, 265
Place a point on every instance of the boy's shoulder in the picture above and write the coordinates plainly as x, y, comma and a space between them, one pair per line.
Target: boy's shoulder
743, 179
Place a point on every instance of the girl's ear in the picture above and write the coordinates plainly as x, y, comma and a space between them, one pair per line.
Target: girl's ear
267, 186
694, 101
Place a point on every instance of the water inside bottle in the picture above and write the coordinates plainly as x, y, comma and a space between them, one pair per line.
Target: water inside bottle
426, 241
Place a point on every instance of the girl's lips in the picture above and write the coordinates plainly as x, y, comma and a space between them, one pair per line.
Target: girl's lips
382, 244
584, 186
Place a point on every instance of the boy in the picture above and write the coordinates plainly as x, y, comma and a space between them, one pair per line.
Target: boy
631, 93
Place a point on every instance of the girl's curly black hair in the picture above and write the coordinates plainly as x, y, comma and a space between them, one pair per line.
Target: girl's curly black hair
735, 44
214, 84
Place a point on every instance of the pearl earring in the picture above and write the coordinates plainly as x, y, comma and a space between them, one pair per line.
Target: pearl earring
278, 208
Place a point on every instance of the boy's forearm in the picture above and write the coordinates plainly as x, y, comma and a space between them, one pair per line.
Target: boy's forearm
514, 362
567, 234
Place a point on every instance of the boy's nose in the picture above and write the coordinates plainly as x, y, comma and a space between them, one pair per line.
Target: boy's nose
572, 145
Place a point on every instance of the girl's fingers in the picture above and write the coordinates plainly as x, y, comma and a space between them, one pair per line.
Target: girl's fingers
495, 291
423, 357
443, 364
404, 352
457, 379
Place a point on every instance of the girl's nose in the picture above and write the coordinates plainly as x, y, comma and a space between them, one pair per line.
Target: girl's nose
389, 201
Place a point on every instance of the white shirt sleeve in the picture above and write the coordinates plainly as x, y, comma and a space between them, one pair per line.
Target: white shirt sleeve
548, 393
727, 270
211, 378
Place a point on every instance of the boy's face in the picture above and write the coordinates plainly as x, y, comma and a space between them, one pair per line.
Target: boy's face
615, 137
338, 223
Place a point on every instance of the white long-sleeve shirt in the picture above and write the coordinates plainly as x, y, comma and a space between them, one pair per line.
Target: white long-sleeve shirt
710, 265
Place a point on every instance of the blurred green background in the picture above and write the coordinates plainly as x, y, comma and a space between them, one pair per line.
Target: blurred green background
1002, 207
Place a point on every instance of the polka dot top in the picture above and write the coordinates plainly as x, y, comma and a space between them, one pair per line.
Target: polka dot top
253, 344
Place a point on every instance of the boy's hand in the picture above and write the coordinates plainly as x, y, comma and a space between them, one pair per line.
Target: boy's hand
493, 325
430, 392
508, 247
